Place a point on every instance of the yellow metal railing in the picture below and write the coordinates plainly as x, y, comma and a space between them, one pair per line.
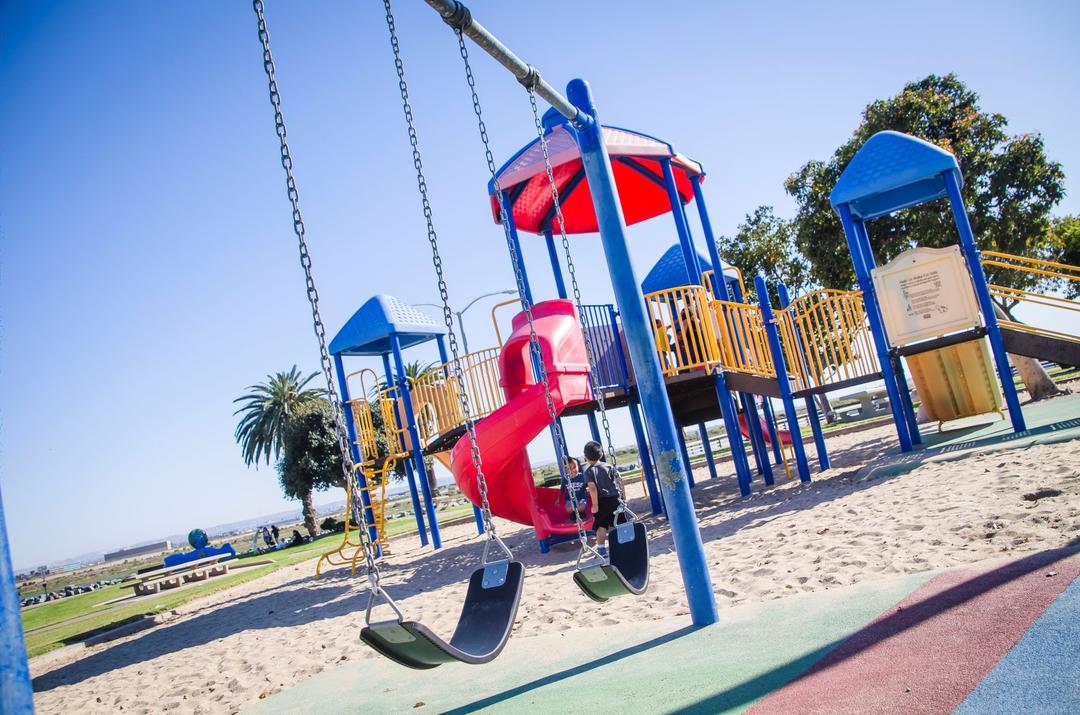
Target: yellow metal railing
683, 329
394, 424
360, 407
351, 549
1058, 272
707, 279
435, 394
743, 343
826, 338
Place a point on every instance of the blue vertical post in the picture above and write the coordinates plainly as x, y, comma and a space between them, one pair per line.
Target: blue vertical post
414, 437
811, 409
866, 254
650, 382
16, 693
594, 427
354, 447
445, 358
644, 458
782, 377
686, 458
693, 268
523, 287
757, 441
706, 447
710, 239
877, 330
727, 408
982, 292
770, 423
410, 478
556, 267
735, 440
905, 396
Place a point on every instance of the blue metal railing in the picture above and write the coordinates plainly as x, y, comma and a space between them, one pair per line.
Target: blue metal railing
601, 326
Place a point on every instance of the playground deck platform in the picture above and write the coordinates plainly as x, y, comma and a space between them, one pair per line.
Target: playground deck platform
994, 637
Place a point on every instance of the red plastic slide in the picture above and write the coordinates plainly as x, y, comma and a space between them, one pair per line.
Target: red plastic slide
504, 434
783, 434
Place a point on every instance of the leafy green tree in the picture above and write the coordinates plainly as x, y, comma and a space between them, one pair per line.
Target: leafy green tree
1010, 186
266, 410
764, 243
312, 457
1066, 237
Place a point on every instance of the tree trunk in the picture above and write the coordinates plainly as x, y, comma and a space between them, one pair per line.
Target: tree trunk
309, 514
1036, 380
826, 408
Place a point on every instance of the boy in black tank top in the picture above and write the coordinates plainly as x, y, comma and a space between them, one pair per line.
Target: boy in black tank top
600, 481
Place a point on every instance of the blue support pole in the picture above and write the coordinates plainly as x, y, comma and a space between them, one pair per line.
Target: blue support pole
478, 515
905, 396
982, 292
414, 437
594, 427
354, 448
782, 377
516, 243
735, 440
757, 438
556, 267
645, 459
866, 254
16, 693
877, 329
710, 239
707, 449
650, 382
727, 410
774, 436
693, 268
811, 409
410, 478
686, 458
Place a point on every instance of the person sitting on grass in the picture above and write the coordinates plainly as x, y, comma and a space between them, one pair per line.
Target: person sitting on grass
573, 489
603, 490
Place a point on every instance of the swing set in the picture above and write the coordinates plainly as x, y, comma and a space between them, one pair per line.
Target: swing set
495, 587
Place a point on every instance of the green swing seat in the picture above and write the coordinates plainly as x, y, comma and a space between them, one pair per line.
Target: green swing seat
627, 571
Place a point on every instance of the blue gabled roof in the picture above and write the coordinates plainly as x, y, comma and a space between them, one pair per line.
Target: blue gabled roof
368, 331
670, 271
893, 171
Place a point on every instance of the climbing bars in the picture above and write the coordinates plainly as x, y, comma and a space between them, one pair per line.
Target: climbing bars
1056, 272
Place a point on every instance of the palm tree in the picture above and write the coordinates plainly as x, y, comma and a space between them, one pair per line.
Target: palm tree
267, 408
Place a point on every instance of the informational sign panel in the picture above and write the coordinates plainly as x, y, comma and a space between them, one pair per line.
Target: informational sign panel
925, 293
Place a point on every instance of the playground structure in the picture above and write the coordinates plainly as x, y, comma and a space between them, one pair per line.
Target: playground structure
201, 548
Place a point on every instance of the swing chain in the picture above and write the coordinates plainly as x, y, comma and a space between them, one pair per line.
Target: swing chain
433, 240
534, 341
347, 466
589, 347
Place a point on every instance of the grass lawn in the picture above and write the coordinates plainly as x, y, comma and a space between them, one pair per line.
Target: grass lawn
69, 620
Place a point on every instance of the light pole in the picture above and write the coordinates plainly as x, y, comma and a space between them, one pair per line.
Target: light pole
460, 313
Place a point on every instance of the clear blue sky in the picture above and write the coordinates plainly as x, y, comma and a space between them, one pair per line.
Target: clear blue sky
149, 272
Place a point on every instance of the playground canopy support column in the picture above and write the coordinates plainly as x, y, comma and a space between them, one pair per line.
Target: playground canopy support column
757, 439
650, 382
444, 358
735, 440
16, 693
707, 449
693, 268
594, 426
515, 240
414, 437
782, 377
710, 239
556, 267
905, 396
644, 458
811, 409
982, 292
862, 273
410, 479
365, 499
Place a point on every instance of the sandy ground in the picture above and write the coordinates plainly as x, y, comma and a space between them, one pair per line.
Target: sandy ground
229, 649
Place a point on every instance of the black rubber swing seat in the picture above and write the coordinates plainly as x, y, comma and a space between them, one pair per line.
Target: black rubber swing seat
482, 630
627, 572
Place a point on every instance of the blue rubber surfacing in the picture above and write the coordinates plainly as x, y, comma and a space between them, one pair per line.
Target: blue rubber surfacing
1040, 675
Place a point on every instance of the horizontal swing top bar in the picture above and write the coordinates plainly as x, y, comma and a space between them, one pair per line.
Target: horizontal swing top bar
458, 16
